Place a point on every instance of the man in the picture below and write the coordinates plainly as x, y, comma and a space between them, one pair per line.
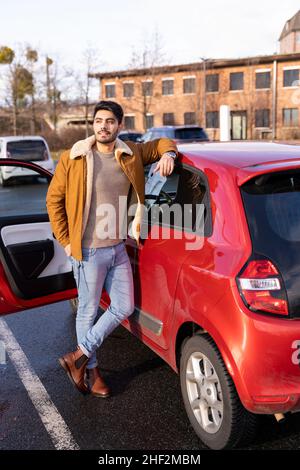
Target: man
97, 173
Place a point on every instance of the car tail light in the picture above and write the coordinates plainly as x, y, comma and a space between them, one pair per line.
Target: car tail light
261, 287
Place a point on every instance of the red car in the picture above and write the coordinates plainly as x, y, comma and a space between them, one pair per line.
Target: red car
226, 315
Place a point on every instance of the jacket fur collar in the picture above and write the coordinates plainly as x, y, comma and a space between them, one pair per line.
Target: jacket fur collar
82, 147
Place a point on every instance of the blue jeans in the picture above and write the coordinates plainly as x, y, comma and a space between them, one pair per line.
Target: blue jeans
107, 267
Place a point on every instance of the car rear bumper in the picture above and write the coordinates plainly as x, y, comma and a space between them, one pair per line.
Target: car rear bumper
275, 404
271, 370
262, 354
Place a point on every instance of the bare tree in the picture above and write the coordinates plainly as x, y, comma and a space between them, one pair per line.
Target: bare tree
32, 58
53, 80
7, 56
36, 89
49, 62
90, 62
150, 56
20, 84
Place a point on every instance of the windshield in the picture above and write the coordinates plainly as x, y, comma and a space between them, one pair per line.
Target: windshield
190, 133
272, 204
27, 150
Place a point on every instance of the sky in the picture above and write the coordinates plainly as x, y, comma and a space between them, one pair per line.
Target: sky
189, 29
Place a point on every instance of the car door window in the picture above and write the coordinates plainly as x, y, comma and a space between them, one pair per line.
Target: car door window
188, 189
190, 196
35, 264
22, 191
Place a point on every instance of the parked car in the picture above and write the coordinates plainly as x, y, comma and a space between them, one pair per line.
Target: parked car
180, 134
24, 148
226, 315
130, 135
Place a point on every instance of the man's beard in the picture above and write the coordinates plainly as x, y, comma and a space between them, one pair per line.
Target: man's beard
108, 139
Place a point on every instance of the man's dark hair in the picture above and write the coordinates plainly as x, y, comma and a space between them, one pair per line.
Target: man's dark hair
115, 108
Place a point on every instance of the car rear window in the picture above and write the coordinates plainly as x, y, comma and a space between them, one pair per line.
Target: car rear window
190, 133
27, 150
272, 205
158, 133
130, 136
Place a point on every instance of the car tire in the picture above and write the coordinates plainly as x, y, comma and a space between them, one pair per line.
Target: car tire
74, 305
210, 398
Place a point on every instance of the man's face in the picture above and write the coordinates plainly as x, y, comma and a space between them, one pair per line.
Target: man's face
106, 127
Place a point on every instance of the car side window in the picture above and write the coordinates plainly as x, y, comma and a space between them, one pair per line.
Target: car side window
156, 135
190, 196
187, 189
146, 137
161, 133
22, 191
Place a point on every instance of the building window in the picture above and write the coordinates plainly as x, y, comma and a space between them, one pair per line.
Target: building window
262, 80
129, 122
291, 77
212, 82
189, 85
290, 117
262, 118
237, 81
149, 121
168, 87
212, 119
110, 90
128, 89
168, 119
189, 118
147, 88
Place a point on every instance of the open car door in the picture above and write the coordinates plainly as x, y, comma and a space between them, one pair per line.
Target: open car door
34, 269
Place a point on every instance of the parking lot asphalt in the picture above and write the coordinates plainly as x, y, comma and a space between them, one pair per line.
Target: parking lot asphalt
145, 411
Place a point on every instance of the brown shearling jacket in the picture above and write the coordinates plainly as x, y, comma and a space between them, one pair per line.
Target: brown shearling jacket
70, 191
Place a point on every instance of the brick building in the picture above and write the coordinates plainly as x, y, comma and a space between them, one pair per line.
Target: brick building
290, 36
262, 93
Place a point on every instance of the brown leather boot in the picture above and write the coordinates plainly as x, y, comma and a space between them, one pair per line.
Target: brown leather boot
74, 363
97, 386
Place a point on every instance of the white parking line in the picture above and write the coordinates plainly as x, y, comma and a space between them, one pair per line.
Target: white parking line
52, 420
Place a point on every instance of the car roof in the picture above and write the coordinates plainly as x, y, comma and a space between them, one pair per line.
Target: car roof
13, 138
188, 126
130, 131
245, 159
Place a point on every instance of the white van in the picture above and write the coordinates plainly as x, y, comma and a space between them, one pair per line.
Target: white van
26, 148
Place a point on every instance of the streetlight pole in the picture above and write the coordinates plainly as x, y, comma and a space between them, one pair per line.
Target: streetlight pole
204, 60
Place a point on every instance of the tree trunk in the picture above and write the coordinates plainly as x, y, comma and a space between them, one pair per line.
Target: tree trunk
15, 114
32, 119
86, 106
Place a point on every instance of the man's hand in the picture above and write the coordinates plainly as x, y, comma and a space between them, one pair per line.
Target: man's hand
68, 249
165, 166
